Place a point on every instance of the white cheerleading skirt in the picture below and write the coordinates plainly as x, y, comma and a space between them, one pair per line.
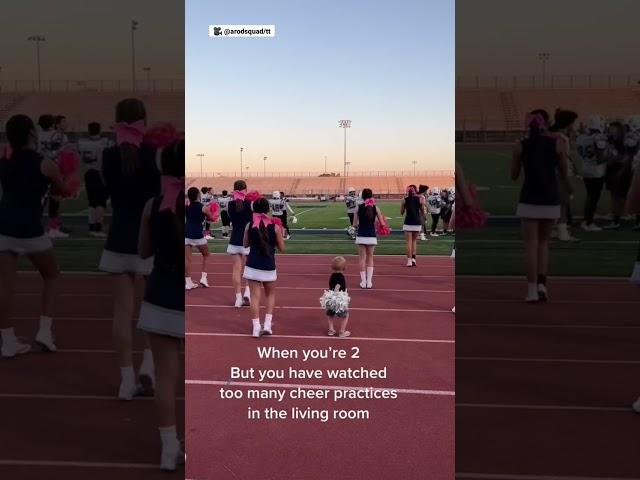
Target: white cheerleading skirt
161, 321
260, 275
113, 262
195, 242
541, 212
237, 250
366, 241
25, 246
411, 228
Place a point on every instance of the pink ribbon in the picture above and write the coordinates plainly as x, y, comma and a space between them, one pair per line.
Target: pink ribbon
261, 219
369, 202
534, 119
411, 190
239, 194
170, 188
132, 133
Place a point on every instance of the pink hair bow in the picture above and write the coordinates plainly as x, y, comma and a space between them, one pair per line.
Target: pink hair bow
534, 120
261, 219
171, 188
239, 194
369, 202
132, 133
411, 190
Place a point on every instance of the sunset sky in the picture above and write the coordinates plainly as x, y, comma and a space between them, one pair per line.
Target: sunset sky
387, 66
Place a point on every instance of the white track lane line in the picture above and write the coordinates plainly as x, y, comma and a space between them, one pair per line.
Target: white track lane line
314, 387
575, 408
322, 337
563, 302
317, 289
302, 274
77, 464
548, 360
191, 305
540, 325
494, 476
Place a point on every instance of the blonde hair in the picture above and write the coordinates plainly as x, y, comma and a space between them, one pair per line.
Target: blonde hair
338, 264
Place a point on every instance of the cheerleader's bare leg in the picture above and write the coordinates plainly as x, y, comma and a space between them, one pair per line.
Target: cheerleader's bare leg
45, 263
8, 276
270, 304
256, 291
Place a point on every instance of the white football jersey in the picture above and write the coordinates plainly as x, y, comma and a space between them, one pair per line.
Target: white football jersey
224, 203
206, 199
588, 157
90, 150
278, 206
351, 201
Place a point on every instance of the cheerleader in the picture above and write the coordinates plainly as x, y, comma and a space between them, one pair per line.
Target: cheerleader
261, 238
240, 215
196, 213
335, 301
366, 238
413, 208
162, 310
25, 178
132, 179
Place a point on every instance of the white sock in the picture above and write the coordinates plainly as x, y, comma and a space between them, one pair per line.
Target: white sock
247, 292
169, 436
369, 274
128, 375
563, 230
238, 296
203, 276
45, 323
363, 277
256, 322
533, 289
188, 280
8, 336
267, 321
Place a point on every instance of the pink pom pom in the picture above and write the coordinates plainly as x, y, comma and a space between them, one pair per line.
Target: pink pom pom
214, 211
72, 184
161, 135
68, 162
253, 195
382, 229
277, 221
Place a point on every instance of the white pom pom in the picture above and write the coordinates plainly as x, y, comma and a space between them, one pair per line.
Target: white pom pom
337, 302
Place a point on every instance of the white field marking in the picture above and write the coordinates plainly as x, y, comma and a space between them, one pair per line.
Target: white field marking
62, 396
230, 383
316, 289
331, 256
550, 360
514, 476
347, 275
582, 240
78, 464
398, 265
542, 325
324, 337
584, 408
281, 307
297, 214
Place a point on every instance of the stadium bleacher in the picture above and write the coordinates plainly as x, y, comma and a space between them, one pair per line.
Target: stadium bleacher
504, 109
388, 185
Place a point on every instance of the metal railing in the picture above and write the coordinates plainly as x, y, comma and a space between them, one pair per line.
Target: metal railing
319, 175
525, 82
157, 85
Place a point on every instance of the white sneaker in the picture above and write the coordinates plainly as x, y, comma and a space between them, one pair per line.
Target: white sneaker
369, 285
592, 227
44, 338
204, 282
363, 284
57, 233
434, 234
532, 298
239, 302
568, 238
256, 330
423, 237
209, 237
612, 226
636, 405
414, 262
267, 329
16, 348
409, 262
189, 285
127, 392
99, 234
171, 457
543, 294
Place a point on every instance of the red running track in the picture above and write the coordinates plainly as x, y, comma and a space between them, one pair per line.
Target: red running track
544, 391
61, 418
403, 324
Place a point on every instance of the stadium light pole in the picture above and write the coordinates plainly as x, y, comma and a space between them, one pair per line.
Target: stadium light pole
134, 27
264, 165
414, 167
201, 155
148, 71
241, 150
37, 39
544, 58
344, 124
325, 164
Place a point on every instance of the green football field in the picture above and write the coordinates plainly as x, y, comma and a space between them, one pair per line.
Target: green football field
497, 248
320, 230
